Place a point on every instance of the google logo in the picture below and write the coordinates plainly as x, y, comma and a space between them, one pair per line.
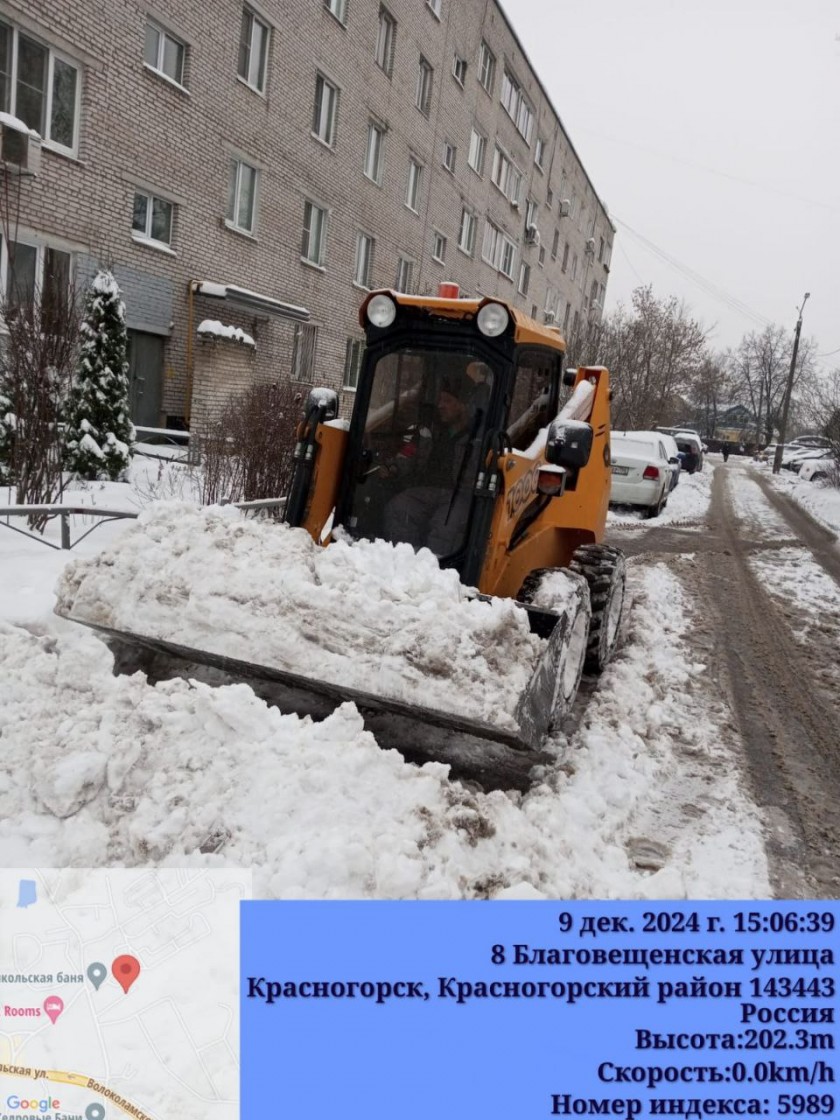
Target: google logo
44, 1105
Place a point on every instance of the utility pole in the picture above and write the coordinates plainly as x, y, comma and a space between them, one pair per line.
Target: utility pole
780, 446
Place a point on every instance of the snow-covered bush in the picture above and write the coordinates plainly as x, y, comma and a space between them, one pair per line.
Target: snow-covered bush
100, 436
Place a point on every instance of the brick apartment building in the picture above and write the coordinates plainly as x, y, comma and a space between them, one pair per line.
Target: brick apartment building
263, 164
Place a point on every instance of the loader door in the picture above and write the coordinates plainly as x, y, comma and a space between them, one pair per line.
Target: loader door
418, 449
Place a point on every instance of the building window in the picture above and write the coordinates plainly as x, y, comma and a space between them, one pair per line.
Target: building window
423, 93
565, 263
549, 196
326, 111
35, 276
39, 87
459, 70
364, 260
486, 67
449, 151
555, 245
242, 196
438, 247
405, 273
385, 40
539, 153
435, 6
574, 267
303, 352
498, 250
517, 107
253, 50
478, 146
530, 213
152, 220
338, 8
164, 53
541, 258
601, 250
314, 234
466, 232
412, 192
506, 175
353, 363
373, 155
524, 278
566, 317
575, 323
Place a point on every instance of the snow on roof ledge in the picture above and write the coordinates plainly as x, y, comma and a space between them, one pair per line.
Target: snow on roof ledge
212, 328
20, 126
254, 301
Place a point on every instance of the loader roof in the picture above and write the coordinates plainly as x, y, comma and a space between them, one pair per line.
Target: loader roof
526, 329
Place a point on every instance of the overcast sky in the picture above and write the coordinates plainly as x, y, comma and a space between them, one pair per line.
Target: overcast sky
711, 129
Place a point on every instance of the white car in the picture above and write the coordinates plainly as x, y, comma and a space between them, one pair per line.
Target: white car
815, 470
642, 470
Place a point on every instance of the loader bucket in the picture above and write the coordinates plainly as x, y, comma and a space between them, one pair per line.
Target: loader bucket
495, 756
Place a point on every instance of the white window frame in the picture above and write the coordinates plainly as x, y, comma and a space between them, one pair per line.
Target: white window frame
486, 68
524, 278
146, 238
385, 41
425, 85
314, 246
531, 209
374, 153
438, 247
565, 265
449, 155
157, 66
506, 175
325, 115
478, 151
574, 267
517, 106
459, 70
405, 270
53, 56
41, 247
258, 81
539, 152
498, 250
363, 265
434, 7
414, 185
338, 9
231, 221
353, 353
467, 231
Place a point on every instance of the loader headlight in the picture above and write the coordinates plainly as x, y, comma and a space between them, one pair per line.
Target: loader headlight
492, 319
381, 311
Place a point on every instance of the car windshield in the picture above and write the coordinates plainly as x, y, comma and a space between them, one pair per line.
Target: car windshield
425, 425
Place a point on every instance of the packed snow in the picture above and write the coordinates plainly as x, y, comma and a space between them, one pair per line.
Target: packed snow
100, 770
688, 503
213, 328
370, 615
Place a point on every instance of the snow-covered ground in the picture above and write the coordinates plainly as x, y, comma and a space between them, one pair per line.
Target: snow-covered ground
818, 498
101, 770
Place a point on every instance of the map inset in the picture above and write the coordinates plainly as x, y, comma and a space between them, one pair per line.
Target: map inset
119, 994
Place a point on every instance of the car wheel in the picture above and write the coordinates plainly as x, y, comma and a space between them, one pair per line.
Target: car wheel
655, 510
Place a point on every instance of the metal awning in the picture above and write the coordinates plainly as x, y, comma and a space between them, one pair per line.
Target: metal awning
250, 301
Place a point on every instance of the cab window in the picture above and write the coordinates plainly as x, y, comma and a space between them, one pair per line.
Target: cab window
533, 401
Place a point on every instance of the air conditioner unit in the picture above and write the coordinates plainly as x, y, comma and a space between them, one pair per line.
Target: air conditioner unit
532, 236
514, 202
565, 208
590, 245
20, 150
548, 316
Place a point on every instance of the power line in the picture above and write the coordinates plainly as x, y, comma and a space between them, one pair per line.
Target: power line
696, 278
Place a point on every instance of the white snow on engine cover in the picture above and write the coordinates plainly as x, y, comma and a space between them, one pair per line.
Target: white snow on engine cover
368, 615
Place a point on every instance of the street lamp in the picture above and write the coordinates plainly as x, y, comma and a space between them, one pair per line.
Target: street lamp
780, 446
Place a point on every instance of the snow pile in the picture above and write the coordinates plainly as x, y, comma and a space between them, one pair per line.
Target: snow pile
212, 328
688, 502
818, 498
98, 770
369, 615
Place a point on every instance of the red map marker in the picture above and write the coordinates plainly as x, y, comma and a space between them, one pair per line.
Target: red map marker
126, 969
